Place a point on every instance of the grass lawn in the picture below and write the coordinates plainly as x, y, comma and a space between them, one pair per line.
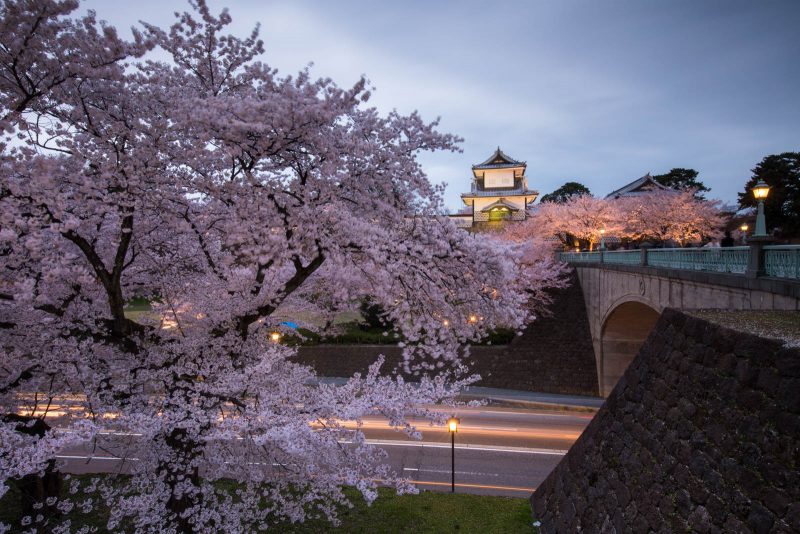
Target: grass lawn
427, 512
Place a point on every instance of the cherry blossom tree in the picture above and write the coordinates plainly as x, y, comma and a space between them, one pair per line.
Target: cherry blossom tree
221, 191
662, 216
678, 216
581, 217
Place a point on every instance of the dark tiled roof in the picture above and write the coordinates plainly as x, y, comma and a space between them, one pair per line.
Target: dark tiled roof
499, 160
633, 187
502, 202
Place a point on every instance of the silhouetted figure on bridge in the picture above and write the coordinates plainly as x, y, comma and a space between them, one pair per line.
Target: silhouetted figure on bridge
726, 241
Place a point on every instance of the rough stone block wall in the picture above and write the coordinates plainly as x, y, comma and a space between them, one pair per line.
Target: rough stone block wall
346, 360
702, 434
554, 354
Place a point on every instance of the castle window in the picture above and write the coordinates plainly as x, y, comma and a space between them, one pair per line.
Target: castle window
499, 214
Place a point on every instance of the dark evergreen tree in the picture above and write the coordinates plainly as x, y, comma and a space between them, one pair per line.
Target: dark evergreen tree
682, 179
565, 192
782, 206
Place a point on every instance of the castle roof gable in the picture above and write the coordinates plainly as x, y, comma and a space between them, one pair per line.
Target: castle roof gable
499, 160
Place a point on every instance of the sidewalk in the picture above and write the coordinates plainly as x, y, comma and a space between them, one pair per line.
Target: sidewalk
533, 399
512, 397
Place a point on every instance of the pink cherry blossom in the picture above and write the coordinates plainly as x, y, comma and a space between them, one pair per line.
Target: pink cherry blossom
226, 194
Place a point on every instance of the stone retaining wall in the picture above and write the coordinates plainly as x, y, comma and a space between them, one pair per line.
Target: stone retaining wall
554, 354
702, 434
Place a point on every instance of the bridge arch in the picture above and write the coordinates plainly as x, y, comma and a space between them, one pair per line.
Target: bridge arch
624, 329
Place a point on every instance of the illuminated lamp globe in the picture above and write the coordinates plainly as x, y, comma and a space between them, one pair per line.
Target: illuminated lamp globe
452, 424
760, 190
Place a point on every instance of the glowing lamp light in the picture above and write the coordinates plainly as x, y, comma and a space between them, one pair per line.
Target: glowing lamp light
452, 424
760, 190
452, 427
473, 319
275, 336
744, 228
446, 323
602, 231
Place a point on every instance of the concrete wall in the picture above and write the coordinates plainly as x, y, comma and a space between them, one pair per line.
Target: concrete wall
700, 435
606, 288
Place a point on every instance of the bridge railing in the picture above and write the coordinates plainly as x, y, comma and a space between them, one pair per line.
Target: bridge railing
580, 257
718, 260
780, 261
623, 257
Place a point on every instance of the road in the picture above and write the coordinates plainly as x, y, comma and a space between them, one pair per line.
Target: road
499, 451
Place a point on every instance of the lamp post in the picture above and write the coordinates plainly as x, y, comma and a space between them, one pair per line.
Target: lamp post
760, 191
602, 239
452, 426
744, 228
759, 239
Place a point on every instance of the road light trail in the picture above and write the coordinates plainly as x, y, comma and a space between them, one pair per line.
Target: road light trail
499, 451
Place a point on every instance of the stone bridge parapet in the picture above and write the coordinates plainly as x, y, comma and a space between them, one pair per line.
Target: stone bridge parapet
624, 302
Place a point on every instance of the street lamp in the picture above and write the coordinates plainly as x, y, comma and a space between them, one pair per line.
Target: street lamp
744, 228
602, 239
760, 191
275, 337
452, 427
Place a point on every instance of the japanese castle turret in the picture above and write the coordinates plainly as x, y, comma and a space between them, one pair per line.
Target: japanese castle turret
499, 193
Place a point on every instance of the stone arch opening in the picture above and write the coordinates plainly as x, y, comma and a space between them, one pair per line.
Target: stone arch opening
623, 334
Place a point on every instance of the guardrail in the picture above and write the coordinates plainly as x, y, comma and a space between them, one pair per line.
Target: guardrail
622, 257
782, 261
718, 260
779, 261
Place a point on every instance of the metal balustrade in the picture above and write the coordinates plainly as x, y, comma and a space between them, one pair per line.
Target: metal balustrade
623, 257
719, 260
580, 257
782, 261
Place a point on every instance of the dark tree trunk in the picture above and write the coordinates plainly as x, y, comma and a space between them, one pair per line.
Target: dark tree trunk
177, 472
33, 487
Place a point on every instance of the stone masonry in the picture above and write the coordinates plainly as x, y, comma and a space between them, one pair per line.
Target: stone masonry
554, 354
702, 434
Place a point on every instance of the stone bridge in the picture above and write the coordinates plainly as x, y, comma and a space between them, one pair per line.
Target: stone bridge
624, 301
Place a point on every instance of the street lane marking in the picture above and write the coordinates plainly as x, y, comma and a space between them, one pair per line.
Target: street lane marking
113, 458
415, 482
481, 486
474, 473
466, 446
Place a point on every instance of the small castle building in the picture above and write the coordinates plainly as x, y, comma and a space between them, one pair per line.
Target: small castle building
499, 193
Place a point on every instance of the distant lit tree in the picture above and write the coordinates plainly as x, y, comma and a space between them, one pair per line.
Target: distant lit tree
665, 216
782, 207
565, 192
660, 216
581, 217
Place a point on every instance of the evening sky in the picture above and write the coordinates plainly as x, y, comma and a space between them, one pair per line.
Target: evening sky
588, 91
